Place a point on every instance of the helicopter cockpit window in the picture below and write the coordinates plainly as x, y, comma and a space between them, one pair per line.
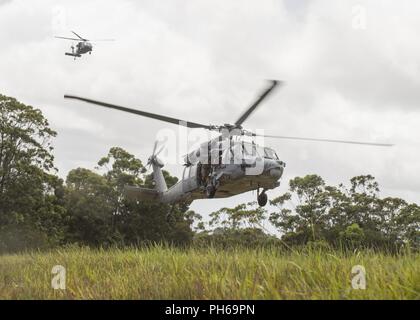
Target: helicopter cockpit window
260, 152
271, 154
255, 150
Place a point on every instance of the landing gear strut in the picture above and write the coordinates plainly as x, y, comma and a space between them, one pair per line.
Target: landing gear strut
262, 198
72, 51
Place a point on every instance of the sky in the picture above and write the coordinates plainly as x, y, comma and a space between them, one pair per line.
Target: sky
351, 70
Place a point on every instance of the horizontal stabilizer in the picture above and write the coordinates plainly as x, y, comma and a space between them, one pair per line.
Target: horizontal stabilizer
140, 194
73, 54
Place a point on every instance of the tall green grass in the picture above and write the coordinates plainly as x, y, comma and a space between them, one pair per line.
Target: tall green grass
167, 273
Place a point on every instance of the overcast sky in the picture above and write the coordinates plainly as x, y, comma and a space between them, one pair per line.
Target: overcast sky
351, 68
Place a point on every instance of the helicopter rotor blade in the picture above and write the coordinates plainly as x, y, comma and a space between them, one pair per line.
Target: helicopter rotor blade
80, 36
154, 148
251, 109
160, 150
97, 40
143, 113
327, 140
67, 38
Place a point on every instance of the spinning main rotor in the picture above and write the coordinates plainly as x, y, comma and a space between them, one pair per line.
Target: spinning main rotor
236, 128
79, 38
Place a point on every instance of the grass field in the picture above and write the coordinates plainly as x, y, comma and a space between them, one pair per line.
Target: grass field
166, 273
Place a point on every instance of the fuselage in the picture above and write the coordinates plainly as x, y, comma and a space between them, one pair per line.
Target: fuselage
257, 168
83, 47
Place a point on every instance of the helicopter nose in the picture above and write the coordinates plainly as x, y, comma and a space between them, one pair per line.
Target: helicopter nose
276, 173
274, 168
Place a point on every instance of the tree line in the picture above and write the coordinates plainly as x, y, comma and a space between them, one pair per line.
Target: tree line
40, 210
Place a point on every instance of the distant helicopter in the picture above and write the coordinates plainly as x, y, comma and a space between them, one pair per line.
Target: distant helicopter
205, 178
83, 46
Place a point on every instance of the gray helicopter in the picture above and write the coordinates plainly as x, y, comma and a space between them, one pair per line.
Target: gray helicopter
225, 166
83, 46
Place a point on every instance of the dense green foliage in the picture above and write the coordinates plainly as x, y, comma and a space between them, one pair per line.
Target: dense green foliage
349, 217
99, 215
39, 210
31, 211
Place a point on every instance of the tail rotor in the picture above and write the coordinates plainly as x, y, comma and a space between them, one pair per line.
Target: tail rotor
153, 159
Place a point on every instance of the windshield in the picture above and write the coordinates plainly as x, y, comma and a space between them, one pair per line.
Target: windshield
260, 152
255, 150
271, 154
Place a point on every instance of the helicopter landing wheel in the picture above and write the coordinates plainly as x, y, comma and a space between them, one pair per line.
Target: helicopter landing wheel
210, 191
262, 199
